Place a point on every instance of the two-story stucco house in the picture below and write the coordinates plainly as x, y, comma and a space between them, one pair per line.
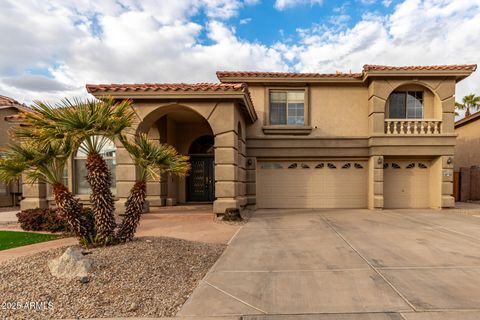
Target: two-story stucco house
382, 138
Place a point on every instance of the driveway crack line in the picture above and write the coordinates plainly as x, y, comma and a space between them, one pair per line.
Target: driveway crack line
368, 262
233, 297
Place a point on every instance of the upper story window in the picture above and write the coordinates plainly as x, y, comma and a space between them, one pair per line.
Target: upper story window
406, 105
287, 107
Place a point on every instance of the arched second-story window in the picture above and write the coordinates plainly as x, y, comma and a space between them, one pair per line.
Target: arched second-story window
405, 105
108, 152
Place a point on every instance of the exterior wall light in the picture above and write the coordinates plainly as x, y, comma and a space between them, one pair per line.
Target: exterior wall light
249, 162
379, 160
449, 160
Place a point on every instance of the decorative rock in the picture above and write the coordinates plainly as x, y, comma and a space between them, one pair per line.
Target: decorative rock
84, 279
232, 214
133, 307
71, 264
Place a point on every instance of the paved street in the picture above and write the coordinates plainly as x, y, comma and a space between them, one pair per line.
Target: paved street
347, 264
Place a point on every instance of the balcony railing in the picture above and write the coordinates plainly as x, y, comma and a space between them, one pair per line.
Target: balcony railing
413, 126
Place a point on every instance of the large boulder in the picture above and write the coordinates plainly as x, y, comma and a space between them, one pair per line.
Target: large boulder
71, 264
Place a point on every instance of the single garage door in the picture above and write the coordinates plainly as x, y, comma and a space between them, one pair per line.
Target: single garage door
406, 184
312, 184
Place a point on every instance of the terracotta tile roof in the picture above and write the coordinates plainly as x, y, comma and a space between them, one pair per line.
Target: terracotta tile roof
453, 67
473, 117
6, 101
224, 74
177, 87
366, 68
168, 87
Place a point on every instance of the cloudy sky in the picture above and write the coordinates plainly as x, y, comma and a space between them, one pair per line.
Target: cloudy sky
51, 49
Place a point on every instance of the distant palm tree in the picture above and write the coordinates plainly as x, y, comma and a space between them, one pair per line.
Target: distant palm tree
46, 163
468, 102
151, 159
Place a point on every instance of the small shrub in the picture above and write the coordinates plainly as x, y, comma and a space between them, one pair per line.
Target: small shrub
41, 219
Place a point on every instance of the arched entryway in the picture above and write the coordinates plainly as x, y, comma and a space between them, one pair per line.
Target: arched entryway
200, 186
190, 134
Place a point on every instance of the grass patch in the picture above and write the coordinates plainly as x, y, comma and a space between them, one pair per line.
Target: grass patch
13, 239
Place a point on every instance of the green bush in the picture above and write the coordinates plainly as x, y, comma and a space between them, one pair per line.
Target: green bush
42, 219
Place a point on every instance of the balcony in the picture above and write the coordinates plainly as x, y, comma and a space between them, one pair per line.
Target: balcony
413, 126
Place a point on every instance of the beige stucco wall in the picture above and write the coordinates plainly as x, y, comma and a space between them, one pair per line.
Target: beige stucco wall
467, 150
6, 199
331, 110
347, 121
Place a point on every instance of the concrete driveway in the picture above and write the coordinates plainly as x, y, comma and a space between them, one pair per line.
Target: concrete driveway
346, 264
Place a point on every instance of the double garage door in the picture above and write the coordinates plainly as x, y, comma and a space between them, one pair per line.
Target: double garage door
340, 184
312, 184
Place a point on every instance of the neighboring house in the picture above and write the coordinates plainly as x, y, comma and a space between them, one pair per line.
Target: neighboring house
382, 138
10, 193
467, 158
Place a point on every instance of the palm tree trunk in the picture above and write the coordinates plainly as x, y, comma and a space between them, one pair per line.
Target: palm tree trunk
101, 198
133, 210
69, 208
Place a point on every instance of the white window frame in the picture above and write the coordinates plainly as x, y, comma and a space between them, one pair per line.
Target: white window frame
286, 90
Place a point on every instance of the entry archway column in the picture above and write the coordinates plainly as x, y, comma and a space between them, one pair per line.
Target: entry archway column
223, 123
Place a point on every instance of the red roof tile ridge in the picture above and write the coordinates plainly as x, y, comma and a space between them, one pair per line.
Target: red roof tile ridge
468, 67
7, 101
203, 86
280, 74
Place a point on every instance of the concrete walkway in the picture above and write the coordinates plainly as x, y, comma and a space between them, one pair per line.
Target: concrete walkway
8, 216
346, 264
193, 225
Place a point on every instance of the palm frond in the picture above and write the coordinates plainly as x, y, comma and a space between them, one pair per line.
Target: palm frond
34, 161
75, 121
153, 158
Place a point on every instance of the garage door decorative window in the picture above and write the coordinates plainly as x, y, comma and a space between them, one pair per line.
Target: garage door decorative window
411, 165
358, 166
395, 166
422, 165
292, 166
320, 166
272, 166
346, 165
305, 166
331, 166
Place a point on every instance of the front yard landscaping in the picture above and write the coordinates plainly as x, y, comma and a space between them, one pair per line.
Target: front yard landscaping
13, 239
146, 277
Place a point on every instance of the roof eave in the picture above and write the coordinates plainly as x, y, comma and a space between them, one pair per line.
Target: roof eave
290, 79
458, 74
242, 96
467, 120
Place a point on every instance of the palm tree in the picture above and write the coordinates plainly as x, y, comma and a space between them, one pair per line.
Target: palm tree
46, 163
151, 159
88, 125
469, 102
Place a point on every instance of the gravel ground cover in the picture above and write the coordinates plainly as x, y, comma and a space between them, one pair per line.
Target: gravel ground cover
148, 277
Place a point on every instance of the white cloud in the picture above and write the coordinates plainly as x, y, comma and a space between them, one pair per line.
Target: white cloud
133, 43
245, 20
443, 34
368, 2
285, 4
51, 50
387, 3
